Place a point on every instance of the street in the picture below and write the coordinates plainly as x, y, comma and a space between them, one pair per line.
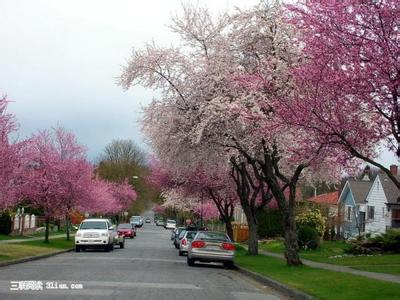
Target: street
148, 268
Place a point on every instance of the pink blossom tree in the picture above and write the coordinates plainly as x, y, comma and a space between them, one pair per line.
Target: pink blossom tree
10, 158
349, 79
102, 199
124, 194
222, 103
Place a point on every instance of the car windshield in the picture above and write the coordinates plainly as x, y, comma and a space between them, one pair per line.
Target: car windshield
212, 236
93, 225
190, 235
135, 218
182, 234
124, 226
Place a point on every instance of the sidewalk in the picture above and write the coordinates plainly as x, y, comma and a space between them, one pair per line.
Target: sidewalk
343, 269
33, 239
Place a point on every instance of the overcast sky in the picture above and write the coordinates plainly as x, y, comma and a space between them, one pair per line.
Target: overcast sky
59, 60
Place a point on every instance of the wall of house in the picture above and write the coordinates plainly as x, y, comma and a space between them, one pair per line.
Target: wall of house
349, 228
376, 198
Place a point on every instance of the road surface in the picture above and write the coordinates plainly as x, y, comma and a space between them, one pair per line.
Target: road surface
148, 268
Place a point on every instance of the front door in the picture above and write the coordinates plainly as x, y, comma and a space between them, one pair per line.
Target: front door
362, 221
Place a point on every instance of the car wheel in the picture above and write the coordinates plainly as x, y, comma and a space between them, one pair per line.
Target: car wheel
122, 245
112, 247
180, 253
228, 264
77, 248
107, 248
190, 262
132, 236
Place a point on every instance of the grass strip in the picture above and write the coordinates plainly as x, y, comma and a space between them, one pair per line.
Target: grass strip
32, 248
322, 284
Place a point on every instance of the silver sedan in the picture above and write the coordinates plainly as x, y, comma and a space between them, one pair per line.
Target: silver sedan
211, 246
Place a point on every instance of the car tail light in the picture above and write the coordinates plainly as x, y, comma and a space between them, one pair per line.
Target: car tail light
184, 242
198, 244
228, 246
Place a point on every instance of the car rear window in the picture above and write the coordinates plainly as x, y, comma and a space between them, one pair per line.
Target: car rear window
171, 221
212, 236
124, 226
191, 234
182, 233
93, 225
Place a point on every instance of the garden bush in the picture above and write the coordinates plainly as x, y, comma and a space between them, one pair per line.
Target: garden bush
5, 223
312, 218
308, 237
388, 242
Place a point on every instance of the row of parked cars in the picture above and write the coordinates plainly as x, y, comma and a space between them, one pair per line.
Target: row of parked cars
203, 246
102, 234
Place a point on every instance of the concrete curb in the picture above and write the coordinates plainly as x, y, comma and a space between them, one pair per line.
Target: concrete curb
31, 258
291, 292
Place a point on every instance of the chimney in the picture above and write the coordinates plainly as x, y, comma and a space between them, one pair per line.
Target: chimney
393, 169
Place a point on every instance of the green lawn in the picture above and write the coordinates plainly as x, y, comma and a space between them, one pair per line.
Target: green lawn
320, 283
10, 237
388, 263
32, 248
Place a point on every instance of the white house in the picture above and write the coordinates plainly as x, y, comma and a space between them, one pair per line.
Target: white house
370, 207
378, 216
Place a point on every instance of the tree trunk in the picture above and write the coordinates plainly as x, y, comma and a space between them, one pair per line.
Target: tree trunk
229, 228
291, 244
46, 233
68, 226
253, 236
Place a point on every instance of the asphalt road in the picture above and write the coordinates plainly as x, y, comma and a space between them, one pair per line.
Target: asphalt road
148, 268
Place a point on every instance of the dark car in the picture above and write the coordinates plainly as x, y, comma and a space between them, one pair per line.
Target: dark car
176, 234
127, 230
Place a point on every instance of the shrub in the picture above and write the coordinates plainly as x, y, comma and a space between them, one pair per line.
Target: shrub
312, 218
385, 242
5, 223
270, 223
308, 237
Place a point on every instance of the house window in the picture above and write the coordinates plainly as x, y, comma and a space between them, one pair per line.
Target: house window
348, 213
370, 212
383, 212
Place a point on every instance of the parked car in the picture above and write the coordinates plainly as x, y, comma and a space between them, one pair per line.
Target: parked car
118, 239
171, 224
211, 246
184, 242
95, 233
159, 222
148, 220
177, 235
173, 233
127, 230
137, 221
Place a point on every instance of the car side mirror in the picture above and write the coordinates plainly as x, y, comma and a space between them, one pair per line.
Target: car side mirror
110, 228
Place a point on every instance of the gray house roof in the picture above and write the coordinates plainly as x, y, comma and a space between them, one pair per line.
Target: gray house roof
392, 193
359, 189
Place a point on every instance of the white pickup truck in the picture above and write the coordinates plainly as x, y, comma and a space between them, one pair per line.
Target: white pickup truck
97, 233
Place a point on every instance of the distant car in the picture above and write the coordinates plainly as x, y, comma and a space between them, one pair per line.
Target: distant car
159, 222
95, 233
127, 230
177, 235
137, 221
211, 246
148, 220
184, 242
171, 224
